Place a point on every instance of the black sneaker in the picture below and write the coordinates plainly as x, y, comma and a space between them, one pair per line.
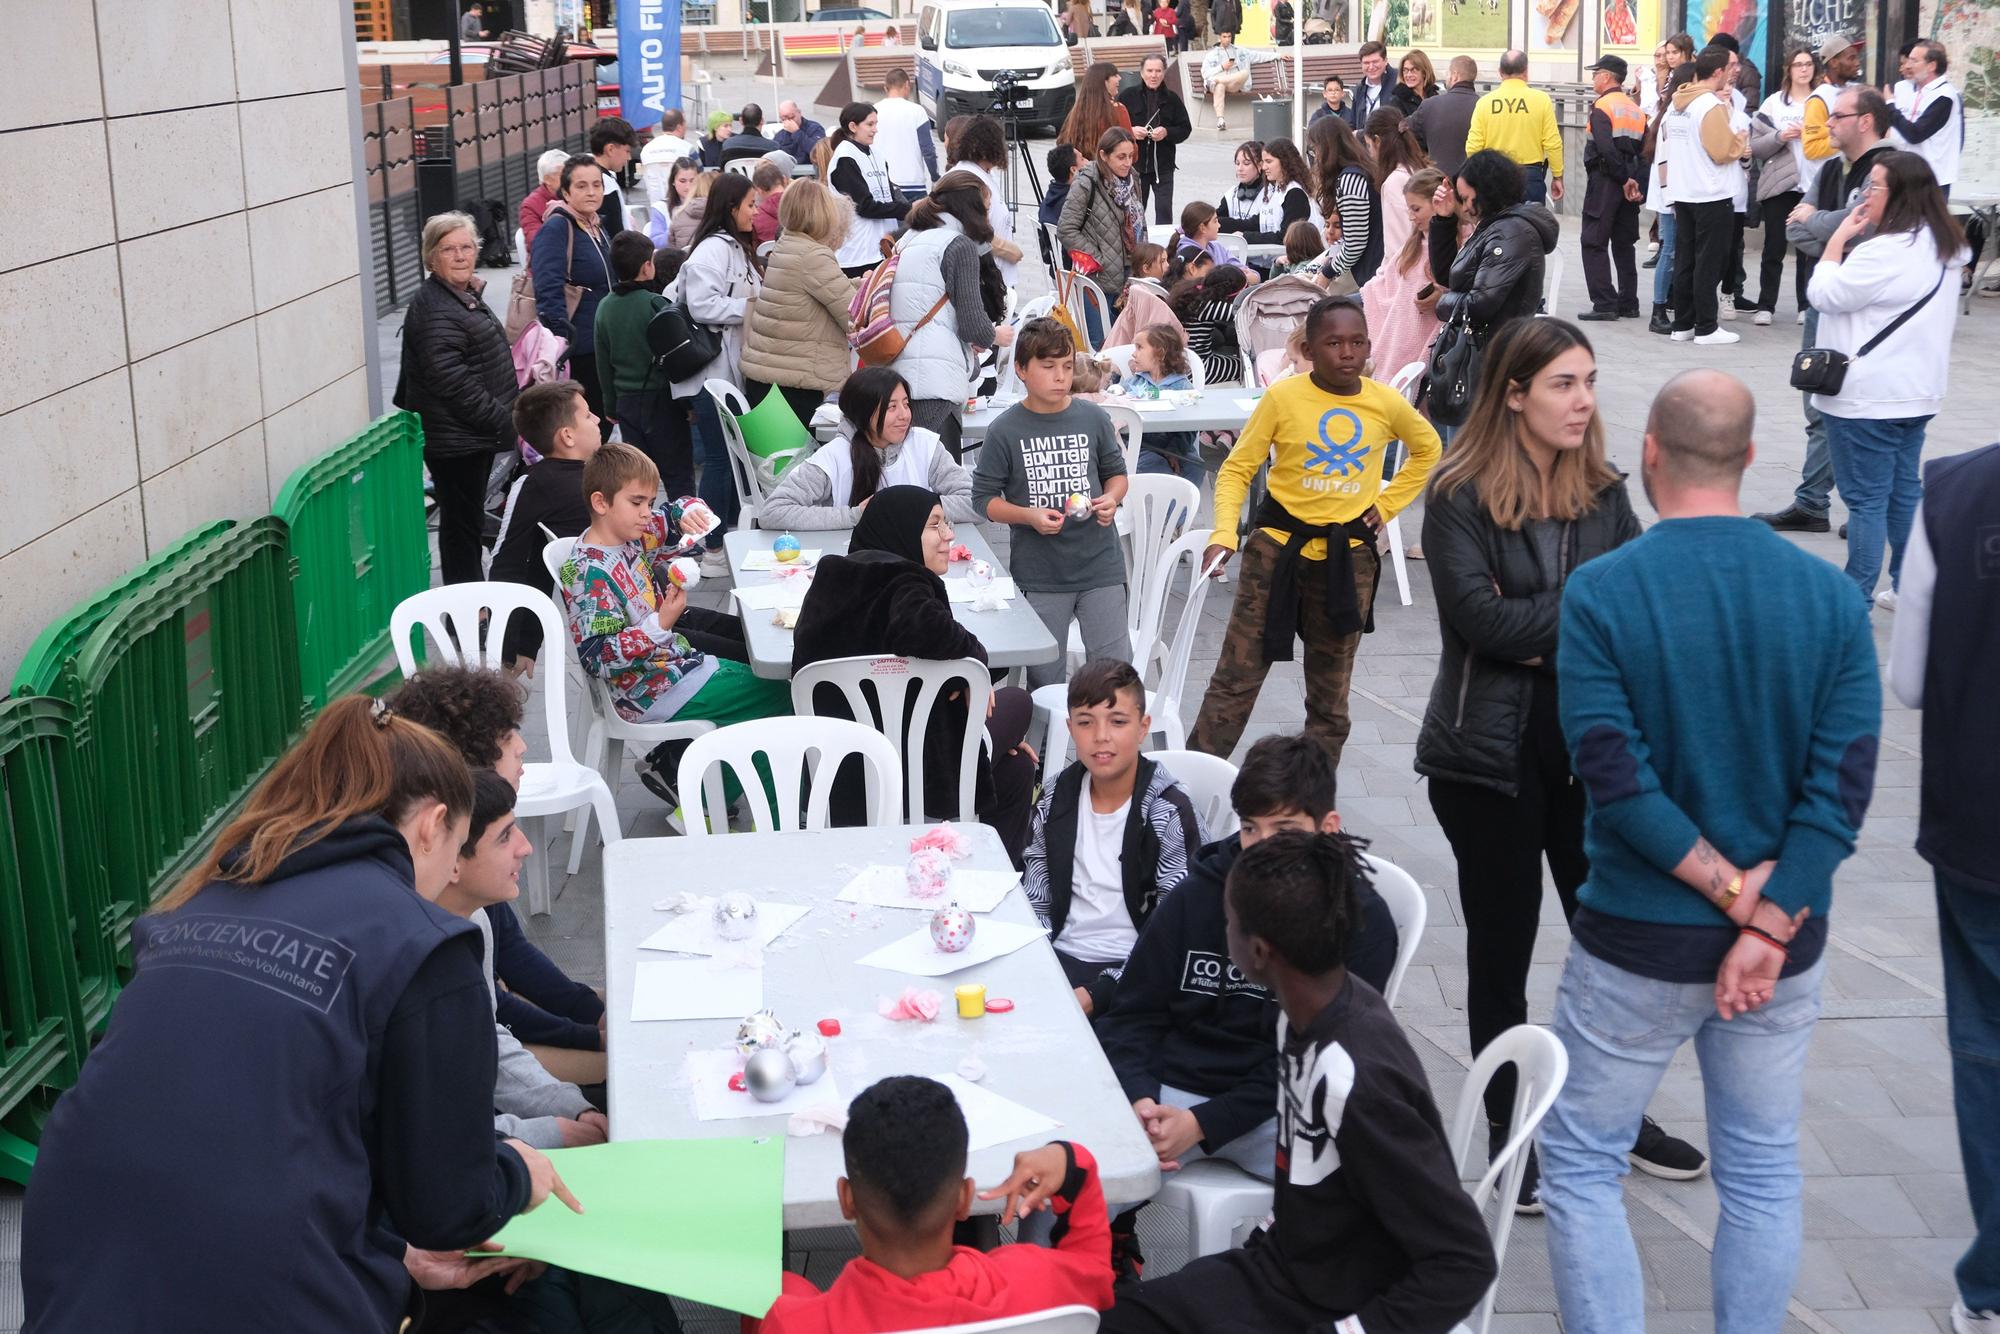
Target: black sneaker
1595, 314
1528, 1202
1792, 519
1656, 1153
1662, 321
1843, 532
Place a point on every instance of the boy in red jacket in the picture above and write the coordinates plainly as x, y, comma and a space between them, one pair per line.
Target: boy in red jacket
906, 1186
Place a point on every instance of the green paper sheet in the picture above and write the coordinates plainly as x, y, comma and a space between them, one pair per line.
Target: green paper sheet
701, 1219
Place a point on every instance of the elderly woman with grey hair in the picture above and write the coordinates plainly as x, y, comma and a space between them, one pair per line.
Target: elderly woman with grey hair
535, 208
458, 377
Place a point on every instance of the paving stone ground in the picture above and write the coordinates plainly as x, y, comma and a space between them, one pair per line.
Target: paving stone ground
1885, 1208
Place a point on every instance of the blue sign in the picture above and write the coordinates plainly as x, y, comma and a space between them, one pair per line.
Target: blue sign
649, 59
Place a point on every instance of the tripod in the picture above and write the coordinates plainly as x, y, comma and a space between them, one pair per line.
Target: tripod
1019, 157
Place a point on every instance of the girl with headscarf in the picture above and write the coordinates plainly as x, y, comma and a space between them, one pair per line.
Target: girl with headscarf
887, 596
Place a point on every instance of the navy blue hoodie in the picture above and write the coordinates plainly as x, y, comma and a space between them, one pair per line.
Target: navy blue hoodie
299, 1075
1184, 1017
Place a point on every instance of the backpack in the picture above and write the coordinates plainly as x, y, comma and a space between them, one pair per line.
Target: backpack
872, 331
680, 347
496, 243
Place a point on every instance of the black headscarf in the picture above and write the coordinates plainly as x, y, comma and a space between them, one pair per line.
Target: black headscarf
894, 522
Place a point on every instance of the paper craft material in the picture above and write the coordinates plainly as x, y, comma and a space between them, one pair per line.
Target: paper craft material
770, 597
945, 837
915, 953
694, 932
786, 618
1150, 405
708, 1075
701, 1219
766, 560
914, 1003
695, 989
1248, 404
889, 887
961, 590
991, 1119
817, 1120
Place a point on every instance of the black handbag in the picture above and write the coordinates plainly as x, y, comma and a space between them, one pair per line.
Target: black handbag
681, 347
1453, 375
1821, 370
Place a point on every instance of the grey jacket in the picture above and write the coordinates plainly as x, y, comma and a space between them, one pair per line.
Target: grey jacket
804, 501
1779, 170
1093, 223
527, 1099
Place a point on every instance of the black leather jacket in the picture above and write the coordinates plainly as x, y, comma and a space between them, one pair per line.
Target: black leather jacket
1478, 711
1498, 272
458, 372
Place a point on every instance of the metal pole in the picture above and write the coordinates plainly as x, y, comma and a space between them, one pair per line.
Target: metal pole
1298, 78
457, 54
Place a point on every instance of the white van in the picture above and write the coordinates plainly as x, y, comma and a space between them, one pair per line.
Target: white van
967, 50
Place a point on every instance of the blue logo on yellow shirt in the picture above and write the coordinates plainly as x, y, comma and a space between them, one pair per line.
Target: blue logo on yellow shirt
1345, 457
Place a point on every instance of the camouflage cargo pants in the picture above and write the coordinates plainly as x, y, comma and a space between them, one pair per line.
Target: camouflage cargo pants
1329, 658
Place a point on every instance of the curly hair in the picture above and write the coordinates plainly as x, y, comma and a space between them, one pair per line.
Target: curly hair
472, 708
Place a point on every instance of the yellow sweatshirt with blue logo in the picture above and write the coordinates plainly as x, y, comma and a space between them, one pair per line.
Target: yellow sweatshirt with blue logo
1327, 468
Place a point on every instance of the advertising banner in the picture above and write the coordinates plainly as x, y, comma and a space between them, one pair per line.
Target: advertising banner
649, 59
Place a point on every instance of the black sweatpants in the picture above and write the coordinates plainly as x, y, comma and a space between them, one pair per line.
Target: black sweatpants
1161, 192
1610, 238
458, 482
1701, 249
661, 427
1500, 843
1771, 215
1227, 1291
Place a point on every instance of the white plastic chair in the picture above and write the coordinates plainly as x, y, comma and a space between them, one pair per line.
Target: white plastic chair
1131, 431
745, 468
1404, 382
1552, 281
1083, 294
1208, 780
1057, 1320
1218, 1198
1234, 243
877, 690
1540, 1066
520, 246
604, 743
743, 166
1408, 908
796, 749
559, 784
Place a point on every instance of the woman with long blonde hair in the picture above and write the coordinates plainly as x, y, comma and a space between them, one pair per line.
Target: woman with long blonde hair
1524, 497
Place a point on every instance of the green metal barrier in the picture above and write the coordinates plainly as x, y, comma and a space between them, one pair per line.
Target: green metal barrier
358, 547
43, 1031
190, 693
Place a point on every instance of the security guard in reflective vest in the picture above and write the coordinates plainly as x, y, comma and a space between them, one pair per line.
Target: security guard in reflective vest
1614, 168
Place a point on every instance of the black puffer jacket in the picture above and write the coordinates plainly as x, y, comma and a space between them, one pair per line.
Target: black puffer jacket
1478, 712
1498, 273
458, 372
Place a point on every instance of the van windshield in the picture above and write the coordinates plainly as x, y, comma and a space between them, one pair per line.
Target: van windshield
1025, 26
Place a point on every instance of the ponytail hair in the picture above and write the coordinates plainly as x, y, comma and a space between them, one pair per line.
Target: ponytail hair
358, 758
958, 194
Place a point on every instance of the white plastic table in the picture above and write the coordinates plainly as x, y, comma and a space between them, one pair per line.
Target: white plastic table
1015, 637
1041, 1055
1222, 408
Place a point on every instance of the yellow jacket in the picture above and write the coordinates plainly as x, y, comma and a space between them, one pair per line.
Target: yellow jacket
1329, 451
1519, 121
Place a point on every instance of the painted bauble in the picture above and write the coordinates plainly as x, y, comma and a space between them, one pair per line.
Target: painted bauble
759, 1031
769, 1075
735, 916
928, 873
952, 928
1078, 506
807, 1051
685, 571
785, 548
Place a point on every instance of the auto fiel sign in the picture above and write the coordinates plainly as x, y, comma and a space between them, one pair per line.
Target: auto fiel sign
649, 59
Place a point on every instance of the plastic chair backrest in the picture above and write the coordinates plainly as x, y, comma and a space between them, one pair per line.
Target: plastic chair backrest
1174, 668
1234, 243
1059, 1320
1405, 380
1130, 428
1085, 293
1207, 779
743, 166
1407, 908
798, 751
1162, 510
1540, 1066
877, 691
450, 616
1552, 281
729, 406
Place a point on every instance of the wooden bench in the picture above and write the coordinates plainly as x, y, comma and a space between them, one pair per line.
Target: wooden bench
872, 66
1268, 78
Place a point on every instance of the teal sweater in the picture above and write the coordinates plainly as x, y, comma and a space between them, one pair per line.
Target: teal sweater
1717, 682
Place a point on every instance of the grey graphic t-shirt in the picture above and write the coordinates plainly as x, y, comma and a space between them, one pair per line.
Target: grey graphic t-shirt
1040, 459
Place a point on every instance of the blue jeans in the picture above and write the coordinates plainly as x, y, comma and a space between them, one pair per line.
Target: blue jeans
1875, 467
718, 483
1535, 183
1969, 933
1815, 490
1177, 456
1663, 270
1621, 1031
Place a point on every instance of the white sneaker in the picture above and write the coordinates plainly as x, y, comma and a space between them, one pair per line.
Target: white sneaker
715, 564
1683, 335
1763, 318
1965, 1320
1719, 336
1802, 317
1221, 125
1886, 600
1728, 311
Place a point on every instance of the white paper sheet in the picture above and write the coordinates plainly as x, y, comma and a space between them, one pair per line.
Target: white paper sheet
770, 597
768, 560
915, 953
695, 989
887, 887
693, 932
1150, 405
961, 590
991, 1119
1248, 404
708, 1075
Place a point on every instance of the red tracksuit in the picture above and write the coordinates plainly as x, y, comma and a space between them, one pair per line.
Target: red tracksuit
976, 1285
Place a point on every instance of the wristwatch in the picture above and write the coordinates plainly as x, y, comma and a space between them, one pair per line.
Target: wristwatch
1731, 894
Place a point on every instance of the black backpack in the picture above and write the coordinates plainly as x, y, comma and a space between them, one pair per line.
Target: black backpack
496, 242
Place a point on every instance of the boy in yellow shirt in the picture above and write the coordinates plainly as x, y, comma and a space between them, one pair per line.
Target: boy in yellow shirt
1332, 429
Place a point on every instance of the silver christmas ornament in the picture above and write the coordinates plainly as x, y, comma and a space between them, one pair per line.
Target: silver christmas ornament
769, 1075
759, 1031
735, 916
807, 1052
952, 928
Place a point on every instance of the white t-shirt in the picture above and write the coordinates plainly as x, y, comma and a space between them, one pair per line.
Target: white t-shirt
1099, 926
896, 122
